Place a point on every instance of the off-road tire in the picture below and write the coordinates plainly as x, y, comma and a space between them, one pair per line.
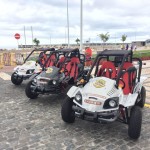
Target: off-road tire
17, 81
29, 93
135, 122
142, 97
67, 114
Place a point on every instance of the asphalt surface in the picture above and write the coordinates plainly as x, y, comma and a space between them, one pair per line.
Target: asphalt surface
37, 125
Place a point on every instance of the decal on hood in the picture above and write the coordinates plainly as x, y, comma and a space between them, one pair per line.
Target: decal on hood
28, 63
49, 70
99, 83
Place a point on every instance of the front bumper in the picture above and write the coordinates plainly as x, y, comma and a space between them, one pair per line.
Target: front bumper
101, 117
52, 89
24, 77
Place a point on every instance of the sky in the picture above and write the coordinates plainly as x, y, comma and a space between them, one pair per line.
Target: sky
48, 19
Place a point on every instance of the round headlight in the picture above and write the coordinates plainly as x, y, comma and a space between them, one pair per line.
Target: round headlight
35, 80
112, 103
54, 82
78, 97
30, 71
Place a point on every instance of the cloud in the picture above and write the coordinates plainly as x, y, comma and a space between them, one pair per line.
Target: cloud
49, 20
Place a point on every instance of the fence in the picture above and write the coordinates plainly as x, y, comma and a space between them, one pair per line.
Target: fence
14, 58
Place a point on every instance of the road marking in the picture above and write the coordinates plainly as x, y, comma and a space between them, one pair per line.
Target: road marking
5, 76
147, 105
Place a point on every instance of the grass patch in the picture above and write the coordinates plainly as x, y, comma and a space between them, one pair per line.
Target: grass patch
137, 54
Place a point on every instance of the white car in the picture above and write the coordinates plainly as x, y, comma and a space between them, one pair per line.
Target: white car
114, 93
32, 65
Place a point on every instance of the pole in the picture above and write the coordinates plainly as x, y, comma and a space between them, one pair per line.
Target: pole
50, 40
25, 36
18, 43
81, 32
68, 24
32, 35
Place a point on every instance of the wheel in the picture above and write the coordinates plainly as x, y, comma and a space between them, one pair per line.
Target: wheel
15, 79
29, 92
67, 114
142, 97
135, 122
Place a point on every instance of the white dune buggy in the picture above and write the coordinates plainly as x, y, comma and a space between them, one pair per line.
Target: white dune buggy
114, 93
32, 65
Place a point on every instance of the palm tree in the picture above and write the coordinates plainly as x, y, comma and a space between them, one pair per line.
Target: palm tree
123, 39
104, 38
77, 40
36, 41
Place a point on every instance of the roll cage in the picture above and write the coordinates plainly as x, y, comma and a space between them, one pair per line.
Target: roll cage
120, 57
44, 50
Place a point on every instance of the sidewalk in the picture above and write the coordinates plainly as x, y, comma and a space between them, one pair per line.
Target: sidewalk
7, 69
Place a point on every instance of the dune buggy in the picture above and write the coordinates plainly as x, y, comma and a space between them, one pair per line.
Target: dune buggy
114, 93
58, 78
32, 64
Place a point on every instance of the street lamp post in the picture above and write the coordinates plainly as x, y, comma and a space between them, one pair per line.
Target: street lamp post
68, 24
81, 32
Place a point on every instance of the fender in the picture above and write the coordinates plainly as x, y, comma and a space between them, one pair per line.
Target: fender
73, 90
143, 78
129, 100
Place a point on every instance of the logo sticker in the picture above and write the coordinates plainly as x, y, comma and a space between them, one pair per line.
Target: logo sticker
28, 63
99, 83
49, 70
92, 102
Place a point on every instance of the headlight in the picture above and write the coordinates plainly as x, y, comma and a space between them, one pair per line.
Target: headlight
78, 97
111, 103
35, 80
30, 71
54, 82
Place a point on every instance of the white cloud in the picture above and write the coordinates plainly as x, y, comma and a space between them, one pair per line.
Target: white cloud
49, 19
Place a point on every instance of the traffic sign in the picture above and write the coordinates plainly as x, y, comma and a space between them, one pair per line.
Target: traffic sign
17, 36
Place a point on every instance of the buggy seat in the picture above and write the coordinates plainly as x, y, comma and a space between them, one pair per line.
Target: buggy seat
51, 61
128, 78
72, 67
42, 58
108, 70
60, 61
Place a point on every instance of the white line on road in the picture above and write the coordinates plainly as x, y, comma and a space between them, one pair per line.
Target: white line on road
5, 76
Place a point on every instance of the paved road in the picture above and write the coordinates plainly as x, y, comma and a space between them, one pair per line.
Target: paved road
37, 125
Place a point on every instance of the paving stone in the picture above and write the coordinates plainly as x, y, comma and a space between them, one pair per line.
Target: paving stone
37, 125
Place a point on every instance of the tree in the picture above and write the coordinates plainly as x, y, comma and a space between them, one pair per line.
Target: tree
123, 38
104, 37
36, 41
77, 40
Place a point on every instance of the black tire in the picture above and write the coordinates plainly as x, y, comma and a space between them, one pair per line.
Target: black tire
135, 122
142, 97
29, 93
16, 80
67, 114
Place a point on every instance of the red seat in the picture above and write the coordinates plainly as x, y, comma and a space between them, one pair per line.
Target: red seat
51, 61
42, 58
128, 78
60, 61
108, 70
72, 67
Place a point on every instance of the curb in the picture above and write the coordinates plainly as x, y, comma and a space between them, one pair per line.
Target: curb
147, 105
